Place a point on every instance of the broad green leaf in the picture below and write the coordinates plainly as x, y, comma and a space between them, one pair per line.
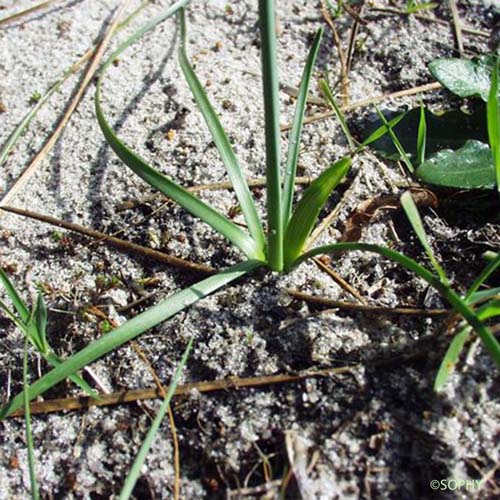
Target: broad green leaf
470, 167
458, 304
295, 133
493, 113
267, 23
309, 207
464, 77
451, 357
447, 130
413, 215
131, 329
222, 143
17, 302
135, 470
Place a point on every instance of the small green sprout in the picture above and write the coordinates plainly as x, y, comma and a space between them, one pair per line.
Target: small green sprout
33, 323
413, 6
35, 97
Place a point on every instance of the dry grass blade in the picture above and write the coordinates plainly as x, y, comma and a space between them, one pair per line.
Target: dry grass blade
89, 74
19, 15
457, 26
123, 245
344, 77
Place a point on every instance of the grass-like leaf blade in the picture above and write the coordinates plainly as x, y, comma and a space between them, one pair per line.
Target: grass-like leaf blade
422, 136
489, 310
168, 187
413, 215
338, 113
40, 320
451, 357
55, 360
29, 434
483, 295
222, 143
309, 207
397, 143
296, 131
383, 129
485, 274
135, 470
267, 22
17, 301
493, 118
460, 306
131, 329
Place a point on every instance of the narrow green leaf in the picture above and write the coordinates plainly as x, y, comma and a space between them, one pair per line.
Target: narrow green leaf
422, 135
493, 114
222, 143
309, 207
485, 274
470, 167
10, 314
40, 318
168, 187
135, 470
55, 360
17, 302
449, 130
403, 154
296, 132
482, 295
381, 130
31, 333
267, 22
489, 310
450, 359
29, 435
338, 112
460, 306
413, 215
131, 329
463, 77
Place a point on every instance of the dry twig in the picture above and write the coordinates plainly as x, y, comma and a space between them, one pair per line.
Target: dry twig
366, 308
123, 245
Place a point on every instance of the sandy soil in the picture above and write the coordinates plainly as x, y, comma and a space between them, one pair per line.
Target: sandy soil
376, 432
